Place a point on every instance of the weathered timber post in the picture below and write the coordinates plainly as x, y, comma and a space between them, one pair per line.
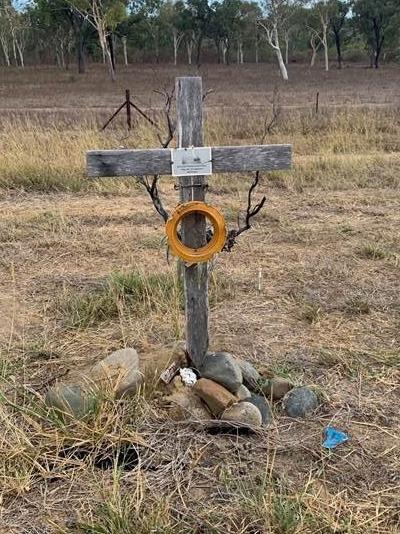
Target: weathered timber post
189, 96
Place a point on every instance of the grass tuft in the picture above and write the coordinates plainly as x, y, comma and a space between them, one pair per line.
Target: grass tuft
372, 251
133, 293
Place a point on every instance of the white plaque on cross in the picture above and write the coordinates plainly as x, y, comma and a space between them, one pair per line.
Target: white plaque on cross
191, 161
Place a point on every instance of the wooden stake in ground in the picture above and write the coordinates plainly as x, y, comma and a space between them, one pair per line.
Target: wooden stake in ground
189, 96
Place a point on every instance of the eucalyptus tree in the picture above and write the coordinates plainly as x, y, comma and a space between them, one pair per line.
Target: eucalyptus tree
104, 16
319, 23
15, 25
58, 27
378, 22
277, 14
338, 18
225, 27
201, 15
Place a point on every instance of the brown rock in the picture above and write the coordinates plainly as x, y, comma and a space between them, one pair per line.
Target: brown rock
244, 414
265, 371
276, 388
186, 405
214, 395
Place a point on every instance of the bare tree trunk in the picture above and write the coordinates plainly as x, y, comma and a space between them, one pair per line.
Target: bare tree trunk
314, 46
4, 45
326, 52
273, 41
324, 25
256, 49
111, 48
338, 44
286, 48
240, 51
281, 63
224, 50
199, 43
177, 39
313, 57
80, 51
107, 55
125, 51
62, 55
80, 47
110, 64
189, 48
14, 50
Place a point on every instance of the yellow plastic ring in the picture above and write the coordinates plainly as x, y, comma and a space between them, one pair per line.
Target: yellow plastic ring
215, 245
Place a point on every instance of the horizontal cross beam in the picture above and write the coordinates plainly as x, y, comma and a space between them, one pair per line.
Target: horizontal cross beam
144, 162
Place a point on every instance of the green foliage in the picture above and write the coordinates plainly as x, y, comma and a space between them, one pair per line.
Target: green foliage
378, 22
63, 29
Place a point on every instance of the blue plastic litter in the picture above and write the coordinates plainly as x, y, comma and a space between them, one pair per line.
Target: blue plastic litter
334, 437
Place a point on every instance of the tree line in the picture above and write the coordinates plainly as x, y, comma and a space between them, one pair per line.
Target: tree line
225, 31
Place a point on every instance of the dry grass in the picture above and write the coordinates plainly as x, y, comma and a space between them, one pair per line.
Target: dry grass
83, 271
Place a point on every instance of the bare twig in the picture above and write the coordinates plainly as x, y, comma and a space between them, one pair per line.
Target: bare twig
270, 122
152, 187
168, 100
251, 211
206, 94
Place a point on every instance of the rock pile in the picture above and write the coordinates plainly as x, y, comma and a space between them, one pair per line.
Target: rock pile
224, 389
233, 392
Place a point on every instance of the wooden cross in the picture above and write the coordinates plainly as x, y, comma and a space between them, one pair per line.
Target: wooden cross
189, 100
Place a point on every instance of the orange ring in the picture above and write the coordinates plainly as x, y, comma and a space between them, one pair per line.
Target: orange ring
196, 255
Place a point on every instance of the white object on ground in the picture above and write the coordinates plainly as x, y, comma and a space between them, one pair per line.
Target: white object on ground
188, 376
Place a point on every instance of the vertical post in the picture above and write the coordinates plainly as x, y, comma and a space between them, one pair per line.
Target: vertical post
317, 103
189, 101
128, 109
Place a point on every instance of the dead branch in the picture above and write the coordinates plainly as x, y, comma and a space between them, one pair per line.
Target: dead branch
251, 211
152, 187
206, 94
171, 125
271, 122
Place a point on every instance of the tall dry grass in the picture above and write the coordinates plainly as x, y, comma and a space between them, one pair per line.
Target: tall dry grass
332, 150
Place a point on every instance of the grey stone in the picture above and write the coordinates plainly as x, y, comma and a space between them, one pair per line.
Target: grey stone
243, 393
223, 369
70, 400
244, 414
118, 372
251, 376
299, 402
262, 404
